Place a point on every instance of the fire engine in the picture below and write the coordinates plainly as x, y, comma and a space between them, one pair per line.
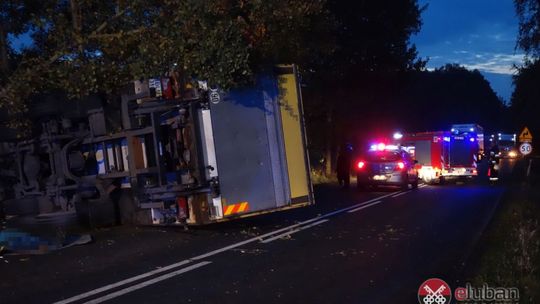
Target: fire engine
444, 155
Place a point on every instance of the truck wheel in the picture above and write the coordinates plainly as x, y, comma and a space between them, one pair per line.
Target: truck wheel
405, 186
415, 184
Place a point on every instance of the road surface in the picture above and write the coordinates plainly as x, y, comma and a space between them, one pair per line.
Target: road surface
351, 247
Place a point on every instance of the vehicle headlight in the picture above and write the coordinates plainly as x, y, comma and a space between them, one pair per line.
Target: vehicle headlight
512, 154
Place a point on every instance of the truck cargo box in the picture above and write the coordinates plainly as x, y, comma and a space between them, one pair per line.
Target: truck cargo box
260, 145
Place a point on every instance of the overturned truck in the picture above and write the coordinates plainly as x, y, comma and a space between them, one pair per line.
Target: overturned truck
199, 157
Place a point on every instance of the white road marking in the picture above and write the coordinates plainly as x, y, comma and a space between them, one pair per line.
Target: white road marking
261, 237
220, 250
279, 236
123, 282
365, 206
400, 194
146, 283
422, 186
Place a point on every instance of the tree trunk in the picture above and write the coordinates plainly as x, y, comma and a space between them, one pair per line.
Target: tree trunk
4, 61
329, 143
76, 19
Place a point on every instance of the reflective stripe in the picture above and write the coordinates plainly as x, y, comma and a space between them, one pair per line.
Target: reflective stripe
236, 208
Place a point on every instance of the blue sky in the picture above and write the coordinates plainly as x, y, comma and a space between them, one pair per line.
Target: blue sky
478, 34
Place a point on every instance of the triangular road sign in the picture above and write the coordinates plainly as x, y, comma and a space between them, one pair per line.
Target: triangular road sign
525, 135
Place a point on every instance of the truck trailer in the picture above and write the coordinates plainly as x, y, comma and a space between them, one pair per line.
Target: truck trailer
184, 153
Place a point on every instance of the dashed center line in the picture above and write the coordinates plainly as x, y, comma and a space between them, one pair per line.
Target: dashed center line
365, 206
400, 194
279, 236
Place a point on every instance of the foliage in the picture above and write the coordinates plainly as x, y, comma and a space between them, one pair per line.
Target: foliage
372, 53
85, 46
528, 12
452, 94
525, 105
508, 253
374, 35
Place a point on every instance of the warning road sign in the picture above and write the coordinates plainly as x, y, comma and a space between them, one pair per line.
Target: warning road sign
525, 135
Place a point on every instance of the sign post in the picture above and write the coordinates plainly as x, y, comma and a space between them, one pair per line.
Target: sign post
525, 138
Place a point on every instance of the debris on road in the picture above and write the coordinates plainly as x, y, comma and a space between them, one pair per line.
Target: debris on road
18, 242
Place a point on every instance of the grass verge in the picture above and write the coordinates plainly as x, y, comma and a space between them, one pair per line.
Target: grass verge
510, 248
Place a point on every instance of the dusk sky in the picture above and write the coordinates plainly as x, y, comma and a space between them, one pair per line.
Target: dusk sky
478, 34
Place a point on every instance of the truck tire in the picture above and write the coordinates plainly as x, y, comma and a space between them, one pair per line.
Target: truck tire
415, 184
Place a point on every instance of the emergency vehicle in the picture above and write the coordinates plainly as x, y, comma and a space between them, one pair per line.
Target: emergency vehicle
506, 144
443, 155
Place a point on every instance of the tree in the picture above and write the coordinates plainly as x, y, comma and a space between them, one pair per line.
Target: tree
450, 94
372, 53
14, 18
84, 46
528, 12
525, 106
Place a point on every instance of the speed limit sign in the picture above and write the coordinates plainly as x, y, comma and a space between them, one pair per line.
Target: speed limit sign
525, 148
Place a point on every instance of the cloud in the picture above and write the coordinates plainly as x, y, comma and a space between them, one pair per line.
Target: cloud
498, 63
493, 63
478, 34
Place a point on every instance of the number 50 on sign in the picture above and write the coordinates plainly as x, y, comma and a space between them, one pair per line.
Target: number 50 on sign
525, 148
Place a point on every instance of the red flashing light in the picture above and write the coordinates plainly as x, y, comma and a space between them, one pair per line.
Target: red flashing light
401, 165
381, 147
361, 165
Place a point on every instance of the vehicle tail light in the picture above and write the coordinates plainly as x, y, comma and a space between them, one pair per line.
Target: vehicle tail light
361, 165
401, 165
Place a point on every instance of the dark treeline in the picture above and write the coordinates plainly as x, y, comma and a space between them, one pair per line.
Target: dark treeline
375, 83
525, 104
372, 54
413, 101
525, 107
452, 94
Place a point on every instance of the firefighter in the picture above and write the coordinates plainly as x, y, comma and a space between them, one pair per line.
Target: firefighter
344, 165
494, 159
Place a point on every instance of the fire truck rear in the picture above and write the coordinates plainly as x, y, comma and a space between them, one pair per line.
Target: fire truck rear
444, 155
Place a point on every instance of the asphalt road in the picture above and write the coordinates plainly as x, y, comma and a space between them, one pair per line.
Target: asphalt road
351, 247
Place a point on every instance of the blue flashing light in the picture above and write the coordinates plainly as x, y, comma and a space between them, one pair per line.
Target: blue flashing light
446, 138
471, 139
